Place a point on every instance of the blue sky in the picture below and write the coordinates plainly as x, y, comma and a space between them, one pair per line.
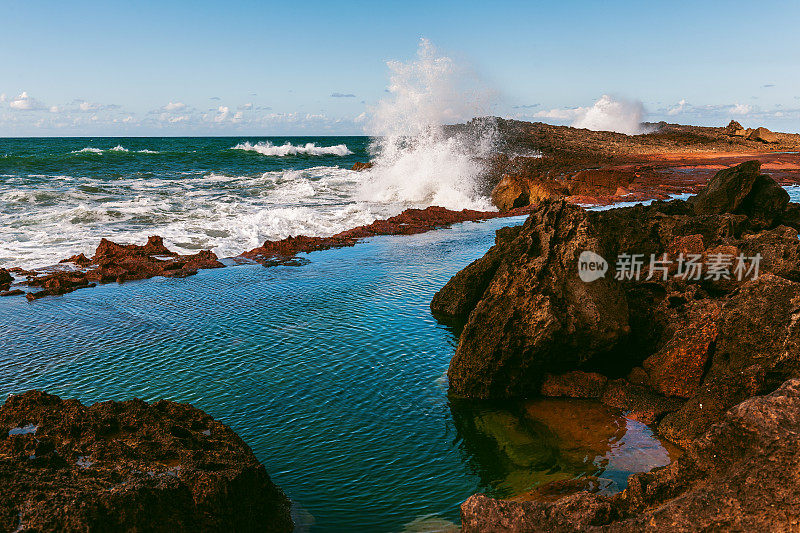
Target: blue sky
271, 68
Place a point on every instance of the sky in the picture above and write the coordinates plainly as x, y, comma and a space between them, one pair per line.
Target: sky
318, 68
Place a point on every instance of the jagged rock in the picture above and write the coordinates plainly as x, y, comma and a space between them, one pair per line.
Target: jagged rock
5, 279
763, 135
726, 192
734, 128
554, 322
359, 166
678, 367
129, 466
517, 191
757, 347
743, 474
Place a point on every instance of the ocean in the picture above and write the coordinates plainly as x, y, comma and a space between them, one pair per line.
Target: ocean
333, 370
59, 196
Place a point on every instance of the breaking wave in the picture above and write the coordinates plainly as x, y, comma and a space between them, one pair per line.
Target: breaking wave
267, 148
414, 161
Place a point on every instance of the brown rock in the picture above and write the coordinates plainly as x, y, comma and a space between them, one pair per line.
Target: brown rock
575, 384
359, 166
637, 401
763, 135
743, 474
554, 320
129, 466
678, 367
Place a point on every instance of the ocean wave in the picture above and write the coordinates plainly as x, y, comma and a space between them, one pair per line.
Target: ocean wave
267, 148
117, 148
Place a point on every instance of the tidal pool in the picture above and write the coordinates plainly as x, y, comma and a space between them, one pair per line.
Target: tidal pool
333, 372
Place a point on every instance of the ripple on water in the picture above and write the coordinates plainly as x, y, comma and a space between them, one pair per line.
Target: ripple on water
331, 372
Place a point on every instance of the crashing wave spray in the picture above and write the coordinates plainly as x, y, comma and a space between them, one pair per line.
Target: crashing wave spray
612, 114
415, 162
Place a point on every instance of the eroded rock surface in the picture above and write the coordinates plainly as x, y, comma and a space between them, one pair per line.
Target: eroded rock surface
692, 355
743, 474
129, 466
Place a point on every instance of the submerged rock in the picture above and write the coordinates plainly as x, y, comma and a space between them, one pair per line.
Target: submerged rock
743, 474
129, 466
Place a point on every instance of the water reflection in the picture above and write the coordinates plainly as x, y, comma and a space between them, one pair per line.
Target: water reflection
549, 446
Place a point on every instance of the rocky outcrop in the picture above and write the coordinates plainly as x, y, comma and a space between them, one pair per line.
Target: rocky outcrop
601, 167
668, 342
359, 166
117, 262
129, 466
560, 323
743, 474
409, 222
763, 135
668, 347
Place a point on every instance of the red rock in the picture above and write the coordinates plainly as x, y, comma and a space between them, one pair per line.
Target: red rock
677, 369
638, 402
575, 384
129, 466
359, 166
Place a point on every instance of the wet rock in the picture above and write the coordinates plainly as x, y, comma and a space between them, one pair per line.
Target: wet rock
359, 166
114, 262
518, 191
409, 222
129, 466
575, 384
13, 292
5, 277
742, 475
552, 322
637, 401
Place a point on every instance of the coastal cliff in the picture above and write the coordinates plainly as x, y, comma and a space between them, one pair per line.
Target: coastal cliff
129, 466
684, 353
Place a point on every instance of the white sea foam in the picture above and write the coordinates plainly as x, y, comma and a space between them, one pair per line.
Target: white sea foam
267, 148
87, 149
117, 148
612, 114
414, 161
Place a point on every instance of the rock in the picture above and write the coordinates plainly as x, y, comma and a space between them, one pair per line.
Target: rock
726, 192
554, 320
359, 166
516, 191
757, 347
763, 135
129, 466
117, 262
734, 128
575, 384
678, 367
637, 401
743, 474
5, 277
13, 292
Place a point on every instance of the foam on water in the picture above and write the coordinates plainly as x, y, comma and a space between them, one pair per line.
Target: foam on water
267, 148
414, 161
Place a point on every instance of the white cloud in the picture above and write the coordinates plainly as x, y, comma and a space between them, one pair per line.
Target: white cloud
223, 112
560, 114
679, 108
174, 106
245, 107
24, 102
741, 109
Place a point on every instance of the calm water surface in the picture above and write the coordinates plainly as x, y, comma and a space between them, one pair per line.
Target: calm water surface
333, 372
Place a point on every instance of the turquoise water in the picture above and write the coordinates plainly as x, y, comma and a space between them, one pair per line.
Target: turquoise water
333, 372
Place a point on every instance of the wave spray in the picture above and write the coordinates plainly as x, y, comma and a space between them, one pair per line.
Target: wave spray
414, 161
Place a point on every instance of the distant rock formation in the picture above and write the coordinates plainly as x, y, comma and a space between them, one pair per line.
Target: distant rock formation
129, 466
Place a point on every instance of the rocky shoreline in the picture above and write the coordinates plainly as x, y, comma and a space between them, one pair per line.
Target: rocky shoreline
692, 357
129, 466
